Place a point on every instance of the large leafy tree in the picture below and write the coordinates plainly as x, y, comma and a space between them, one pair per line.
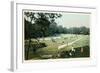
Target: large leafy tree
40, 23
37, 25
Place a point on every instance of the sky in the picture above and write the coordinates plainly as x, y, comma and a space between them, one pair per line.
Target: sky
74, 20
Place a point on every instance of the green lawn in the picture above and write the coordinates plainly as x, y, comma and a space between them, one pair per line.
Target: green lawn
52, 46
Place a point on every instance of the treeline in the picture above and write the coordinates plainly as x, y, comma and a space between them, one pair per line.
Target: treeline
53, 29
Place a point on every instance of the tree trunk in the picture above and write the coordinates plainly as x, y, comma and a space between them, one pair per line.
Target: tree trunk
27, 52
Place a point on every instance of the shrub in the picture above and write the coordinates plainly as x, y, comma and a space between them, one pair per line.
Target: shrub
64, 54
31, 49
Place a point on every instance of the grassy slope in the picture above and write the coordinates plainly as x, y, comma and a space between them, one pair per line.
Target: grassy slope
52, 47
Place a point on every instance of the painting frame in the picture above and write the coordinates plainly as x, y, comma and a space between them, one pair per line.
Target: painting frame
17, 62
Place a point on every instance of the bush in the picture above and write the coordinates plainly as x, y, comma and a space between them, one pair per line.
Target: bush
77, 53
43, 45
34, 45
64, 54
85, 53
31, 49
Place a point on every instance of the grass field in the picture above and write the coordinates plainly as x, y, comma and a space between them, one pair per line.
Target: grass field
72, 46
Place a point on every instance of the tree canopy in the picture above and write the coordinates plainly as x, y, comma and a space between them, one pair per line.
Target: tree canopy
38, 24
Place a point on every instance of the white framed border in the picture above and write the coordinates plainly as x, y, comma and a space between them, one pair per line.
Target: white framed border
17, 32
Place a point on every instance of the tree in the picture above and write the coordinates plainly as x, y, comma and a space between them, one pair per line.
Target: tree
41, 22
37, 25
84, 30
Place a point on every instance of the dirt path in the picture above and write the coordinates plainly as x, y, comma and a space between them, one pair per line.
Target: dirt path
62, 46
